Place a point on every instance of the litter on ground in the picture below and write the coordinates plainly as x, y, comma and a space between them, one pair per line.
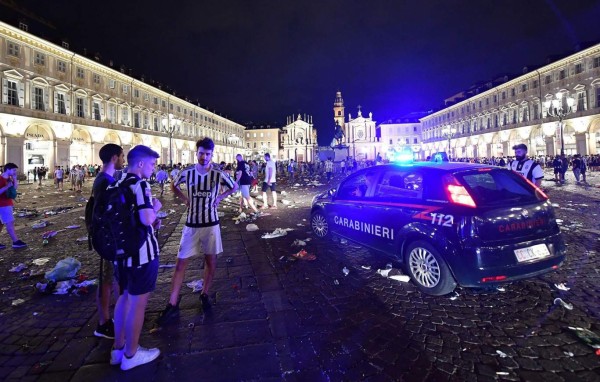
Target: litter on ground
18, 268
562, 286
564, 304
303, 255
41, 261
251, 227
196, 285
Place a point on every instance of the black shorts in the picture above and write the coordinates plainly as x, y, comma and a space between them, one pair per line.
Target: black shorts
137, 280
556, 171
265, 187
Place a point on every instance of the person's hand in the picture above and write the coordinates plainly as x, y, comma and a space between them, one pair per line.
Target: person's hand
217, 201
156, 204
157, 224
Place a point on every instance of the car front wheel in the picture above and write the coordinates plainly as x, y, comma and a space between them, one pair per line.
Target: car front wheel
428, 269
319, 224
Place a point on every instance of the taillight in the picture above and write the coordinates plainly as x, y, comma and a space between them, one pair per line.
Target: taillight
492, 279
457, 193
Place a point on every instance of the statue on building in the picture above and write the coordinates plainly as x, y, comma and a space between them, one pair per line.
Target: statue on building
339, 133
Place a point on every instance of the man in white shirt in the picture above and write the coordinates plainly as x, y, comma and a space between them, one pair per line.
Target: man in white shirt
174, 173
525, 166
270, 173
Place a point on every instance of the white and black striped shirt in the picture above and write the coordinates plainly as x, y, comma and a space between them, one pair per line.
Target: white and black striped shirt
143, 196
202, 190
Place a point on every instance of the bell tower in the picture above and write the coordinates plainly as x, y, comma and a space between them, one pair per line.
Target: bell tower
338, 110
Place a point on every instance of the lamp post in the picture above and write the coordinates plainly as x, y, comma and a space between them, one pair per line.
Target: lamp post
555, 108
449, 132
171, 126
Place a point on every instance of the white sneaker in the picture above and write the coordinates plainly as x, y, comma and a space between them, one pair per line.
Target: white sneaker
141, 356
116, 356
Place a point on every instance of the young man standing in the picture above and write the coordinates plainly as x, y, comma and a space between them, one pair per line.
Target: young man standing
137, 274
202, 232
112, 159
243, 178
161, 179
270, 173
291, 171
8, 179
525, 166
59, 175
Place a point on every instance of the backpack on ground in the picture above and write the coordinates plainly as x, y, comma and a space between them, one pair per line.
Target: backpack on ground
114, 228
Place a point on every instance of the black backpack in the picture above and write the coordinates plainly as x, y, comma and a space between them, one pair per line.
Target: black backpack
115, 229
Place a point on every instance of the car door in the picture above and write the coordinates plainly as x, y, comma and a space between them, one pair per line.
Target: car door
399, 200
352, 214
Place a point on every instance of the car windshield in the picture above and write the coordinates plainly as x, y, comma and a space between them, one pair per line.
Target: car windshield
497, 187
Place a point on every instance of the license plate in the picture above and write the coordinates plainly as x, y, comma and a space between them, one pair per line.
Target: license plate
532, 253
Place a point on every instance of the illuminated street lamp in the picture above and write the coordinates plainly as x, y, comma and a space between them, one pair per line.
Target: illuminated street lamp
556, 109
449, 132
171, 126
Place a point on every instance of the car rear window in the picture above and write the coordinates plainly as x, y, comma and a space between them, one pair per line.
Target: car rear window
498, 186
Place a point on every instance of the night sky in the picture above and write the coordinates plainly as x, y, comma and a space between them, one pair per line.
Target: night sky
259, 61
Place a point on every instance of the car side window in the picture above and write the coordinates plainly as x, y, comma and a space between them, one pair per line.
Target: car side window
401, 184
359, 187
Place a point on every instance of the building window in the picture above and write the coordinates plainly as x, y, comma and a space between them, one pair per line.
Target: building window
503, 95
111, 84
125, 89
512, 92
136, 120
146, 121
60, 104
178, 109
112, 111
12, 93
596, 62
548, 79
562, 75
164, 104
155, 119
80, 73
581, 104
125, 116
146, 97
96, 79
13, 49
155, 100
535, 84
40, 59
262, 135
61, 66
415, 129
79, 108
65, 45
171, 106
536, 111
136, 93
578, 68
97, 111
415, 140
23, 26
407, 141
254, 144
525, 114
598, 97
38, 98
524, 88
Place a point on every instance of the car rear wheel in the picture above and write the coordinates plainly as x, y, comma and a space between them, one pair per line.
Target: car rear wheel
319, 224
428, 269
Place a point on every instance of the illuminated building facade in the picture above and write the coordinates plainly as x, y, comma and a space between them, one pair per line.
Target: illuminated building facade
260, 140
59, 108
299, 139
489, 119
400, 135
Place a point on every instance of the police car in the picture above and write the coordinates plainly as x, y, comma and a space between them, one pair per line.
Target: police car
448, 223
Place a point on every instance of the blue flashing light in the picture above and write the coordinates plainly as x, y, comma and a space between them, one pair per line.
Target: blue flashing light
402, 157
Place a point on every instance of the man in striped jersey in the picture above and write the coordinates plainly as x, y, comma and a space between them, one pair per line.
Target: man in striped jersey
202, 232
137, 273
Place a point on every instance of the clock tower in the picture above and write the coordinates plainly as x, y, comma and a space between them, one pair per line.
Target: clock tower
338, 110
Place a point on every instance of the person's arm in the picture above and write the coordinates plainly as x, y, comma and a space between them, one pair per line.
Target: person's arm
147, 211
233, 187
175, 187
269, 172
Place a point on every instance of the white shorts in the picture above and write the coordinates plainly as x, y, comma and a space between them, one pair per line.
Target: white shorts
6, 214
245, 189
200, 240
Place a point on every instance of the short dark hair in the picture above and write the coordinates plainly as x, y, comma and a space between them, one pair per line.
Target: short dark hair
206, 143
10, 166
520, 146
108, 151
268, 155
140, 152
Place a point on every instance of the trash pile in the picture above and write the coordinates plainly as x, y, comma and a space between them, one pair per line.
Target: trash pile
277, 233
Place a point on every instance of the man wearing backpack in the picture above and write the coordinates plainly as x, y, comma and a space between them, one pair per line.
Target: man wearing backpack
8, 179
137, 272
202, 232
112, 159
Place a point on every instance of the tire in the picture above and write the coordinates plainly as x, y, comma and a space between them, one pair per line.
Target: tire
428, 269
319, 225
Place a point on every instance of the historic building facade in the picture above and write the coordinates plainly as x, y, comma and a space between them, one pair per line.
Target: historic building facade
260, 140
59, 108
399, 136
492, 120
299, 139
359, 134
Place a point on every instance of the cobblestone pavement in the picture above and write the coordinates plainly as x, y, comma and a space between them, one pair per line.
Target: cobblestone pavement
276, 319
